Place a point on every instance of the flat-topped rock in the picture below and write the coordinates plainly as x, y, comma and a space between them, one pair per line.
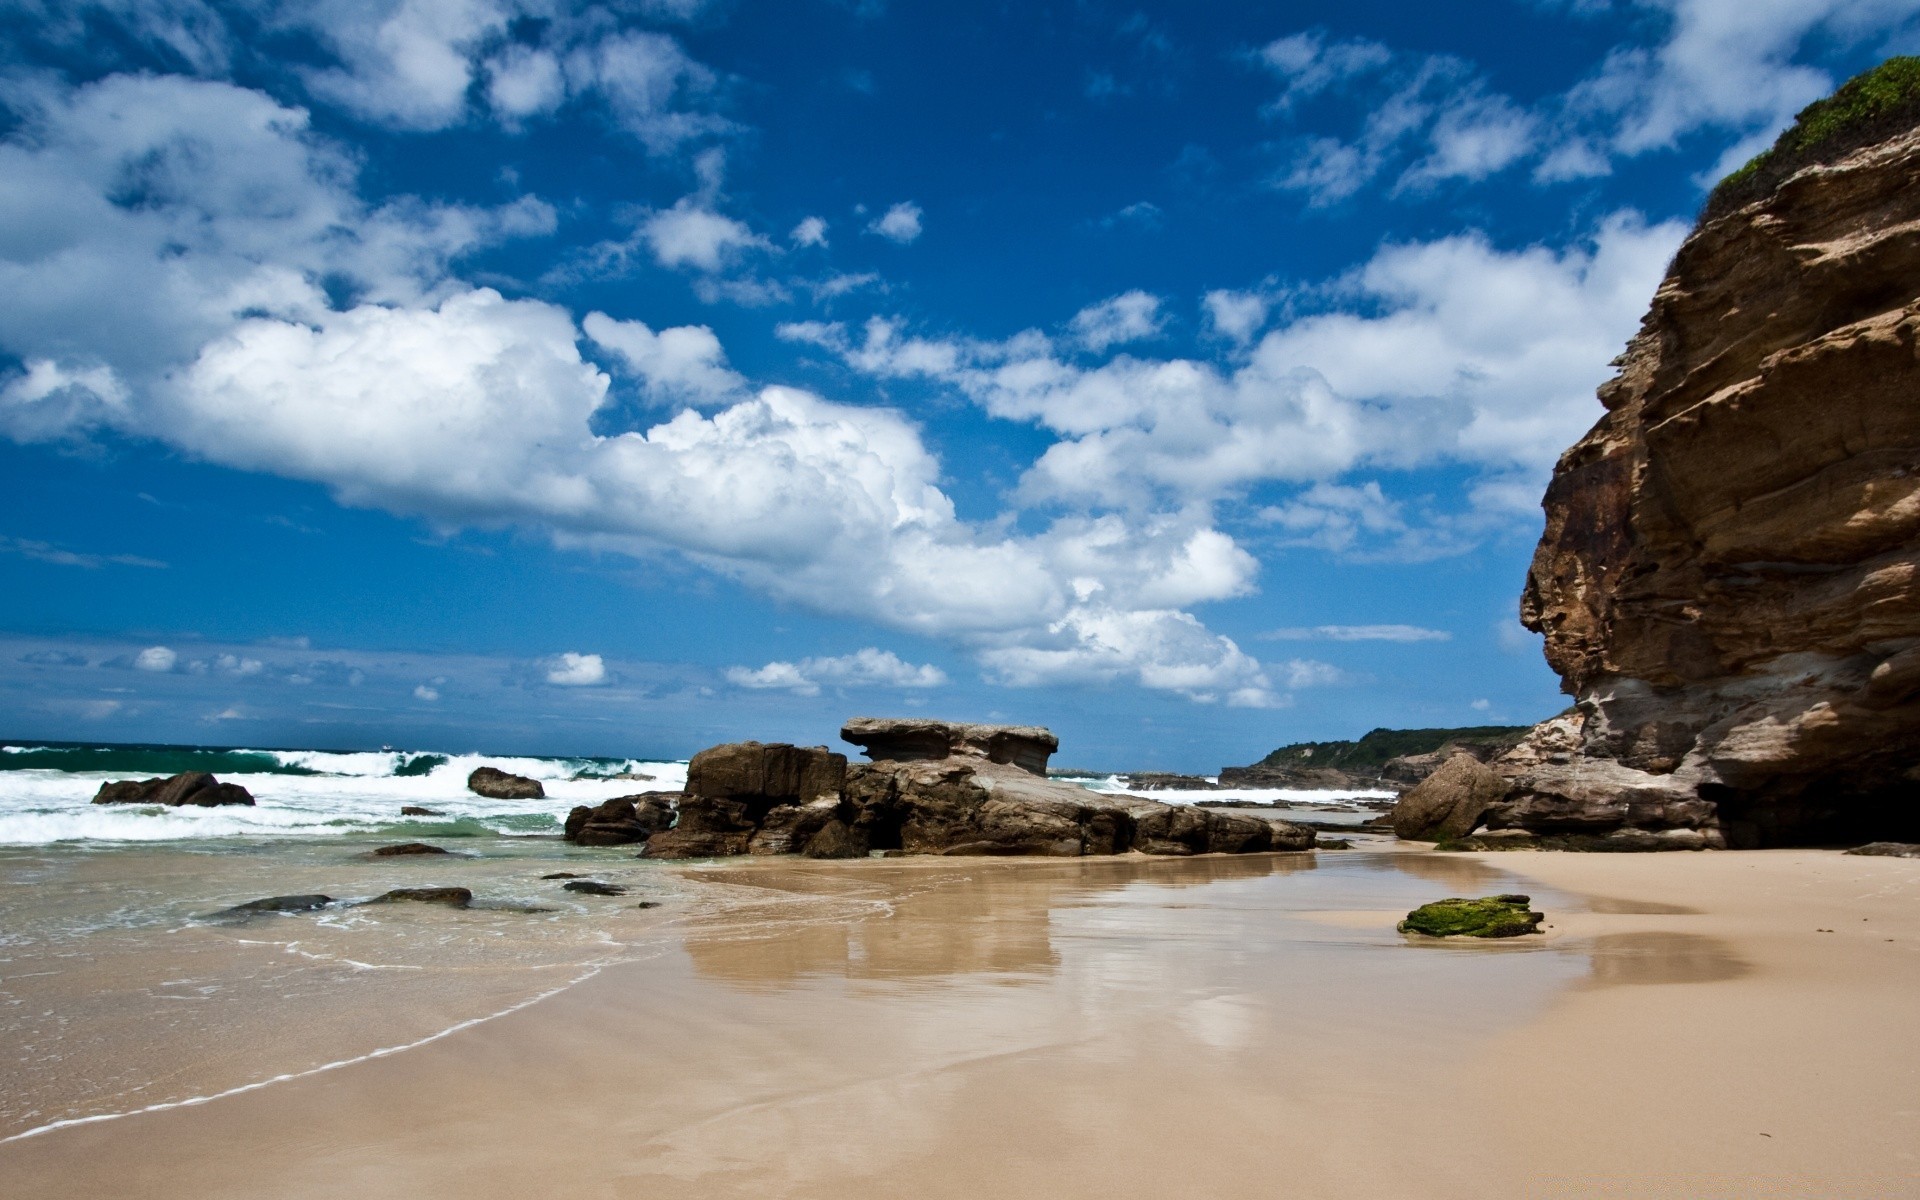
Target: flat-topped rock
919, 739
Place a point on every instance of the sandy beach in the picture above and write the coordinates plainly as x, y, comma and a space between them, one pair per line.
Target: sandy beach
1218, 1026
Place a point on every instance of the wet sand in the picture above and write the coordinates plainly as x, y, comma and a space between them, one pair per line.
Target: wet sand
1211, 1027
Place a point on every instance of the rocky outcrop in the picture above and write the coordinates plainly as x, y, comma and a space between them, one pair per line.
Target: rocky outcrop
988, 795
1382, 760
191, 788
622, 820
1729, 580
1450, 802
915, 739
495, 784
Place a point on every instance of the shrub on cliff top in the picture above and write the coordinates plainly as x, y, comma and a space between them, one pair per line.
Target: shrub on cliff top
1871, 106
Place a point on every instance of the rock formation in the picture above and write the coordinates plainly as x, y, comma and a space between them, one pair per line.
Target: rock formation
495, 784
934, 788
621, 820
1729, 581
1382, 760
191, 788
1450, 802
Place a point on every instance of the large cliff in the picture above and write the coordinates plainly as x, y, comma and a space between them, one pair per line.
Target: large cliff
1729, 580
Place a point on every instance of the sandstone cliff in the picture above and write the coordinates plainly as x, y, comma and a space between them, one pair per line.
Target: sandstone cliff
1729, 580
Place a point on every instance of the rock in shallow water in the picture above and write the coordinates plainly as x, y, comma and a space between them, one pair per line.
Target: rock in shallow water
277, 904
456, 897
406, 849
1487, 917
495, 784
621, 820
593, 887
190, 788
414, 810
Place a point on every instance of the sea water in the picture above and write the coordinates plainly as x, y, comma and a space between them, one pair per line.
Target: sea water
121, 986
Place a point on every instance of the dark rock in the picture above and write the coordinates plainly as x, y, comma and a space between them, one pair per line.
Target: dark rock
1888, 850
835, 839
916, 739
774, 773
977, 806
277, 904
621, 820
593, 887
457, 897
405, 849
788, 828
648, 904
564, 875
1160, 781
496, 784
1450, 802
414, 810
690, 843
195, 788
1321, 843
1487, 917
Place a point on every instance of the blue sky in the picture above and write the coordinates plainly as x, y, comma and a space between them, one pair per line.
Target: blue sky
532, 376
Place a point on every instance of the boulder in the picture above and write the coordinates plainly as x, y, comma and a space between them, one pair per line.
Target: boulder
917, 739
495, 784
1486, 917
1728, 580
414, 810
621, 820
1291, 835
974, 805
1888, 850
767, 774
1180, 829
690, 843
406, 849
456, 897
190, 788
1450, 802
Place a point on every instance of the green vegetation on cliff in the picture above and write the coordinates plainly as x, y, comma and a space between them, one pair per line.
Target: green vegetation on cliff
1379, 745
1868, 108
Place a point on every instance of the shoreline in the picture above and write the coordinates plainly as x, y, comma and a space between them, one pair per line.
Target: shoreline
940, 999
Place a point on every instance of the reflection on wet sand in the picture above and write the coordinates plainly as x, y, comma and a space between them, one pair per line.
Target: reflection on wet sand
932, 918
1658, 957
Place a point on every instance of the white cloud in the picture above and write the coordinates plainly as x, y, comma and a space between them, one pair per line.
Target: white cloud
811, 231
685, 363
869, 667
692, 235
1361, 633
428, 694
1128, 317
576, 670
234, 664
158, 659
1236, 316
1307, 64
900, 223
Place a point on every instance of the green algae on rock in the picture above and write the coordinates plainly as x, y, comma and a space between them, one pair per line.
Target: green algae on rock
1487, 917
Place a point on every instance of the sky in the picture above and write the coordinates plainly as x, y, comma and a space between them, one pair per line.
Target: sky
529, 376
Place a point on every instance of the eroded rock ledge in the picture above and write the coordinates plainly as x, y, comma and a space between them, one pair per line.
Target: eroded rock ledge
931, 788
1729, 580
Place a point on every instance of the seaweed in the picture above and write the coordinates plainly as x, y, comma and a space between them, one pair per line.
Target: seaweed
1487, 917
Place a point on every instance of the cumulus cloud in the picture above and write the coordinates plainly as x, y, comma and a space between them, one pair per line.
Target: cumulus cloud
158, 659
685, 363
692, 235
869, 667
426, 693
900, 223
1128, 317
811, 231
576, 670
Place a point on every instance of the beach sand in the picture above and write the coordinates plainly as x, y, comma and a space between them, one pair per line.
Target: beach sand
1207, 1027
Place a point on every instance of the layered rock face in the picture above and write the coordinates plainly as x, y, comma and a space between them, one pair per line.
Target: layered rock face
933, 788
1729, 581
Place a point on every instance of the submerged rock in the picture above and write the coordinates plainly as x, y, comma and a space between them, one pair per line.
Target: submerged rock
277, 904
495, 784
1486, 917
195, 788
621, 820
456, 897
414, 810
405, 849
593, 887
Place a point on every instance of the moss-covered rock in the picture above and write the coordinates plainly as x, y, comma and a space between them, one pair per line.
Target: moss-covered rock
1867, 108
1486, 917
